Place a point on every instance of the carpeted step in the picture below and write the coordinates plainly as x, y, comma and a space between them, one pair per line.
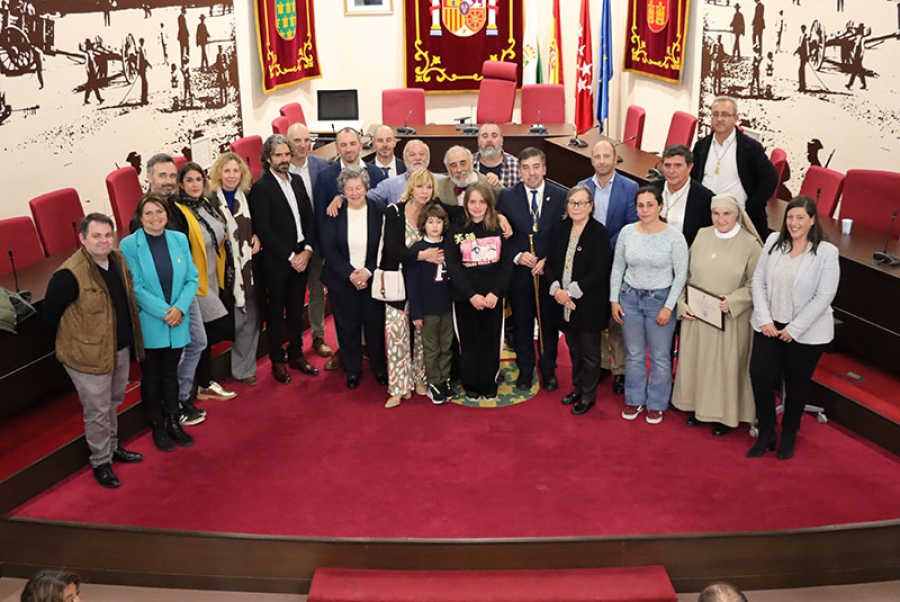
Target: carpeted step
620, 584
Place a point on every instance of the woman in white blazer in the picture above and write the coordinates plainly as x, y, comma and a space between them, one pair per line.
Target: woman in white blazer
794, 284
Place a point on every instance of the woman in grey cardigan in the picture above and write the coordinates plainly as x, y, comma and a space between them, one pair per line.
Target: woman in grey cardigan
794, 284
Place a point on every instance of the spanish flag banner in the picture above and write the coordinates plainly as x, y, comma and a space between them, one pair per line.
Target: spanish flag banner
286, 35
656, 38
447, 41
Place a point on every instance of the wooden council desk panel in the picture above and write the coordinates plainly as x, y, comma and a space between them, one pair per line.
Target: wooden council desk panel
568, 165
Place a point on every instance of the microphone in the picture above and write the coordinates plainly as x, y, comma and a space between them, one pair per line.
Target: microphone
362, 134
75, 232
818, 194
883, 258
576, 141
406, 130
12, 262
537, 129
619, 158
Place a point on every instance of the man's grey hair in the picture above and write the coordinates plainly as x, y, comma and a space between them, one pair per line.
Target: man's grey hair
269, 146
453, 149
417, 141
352, 172
158, 158
730, 99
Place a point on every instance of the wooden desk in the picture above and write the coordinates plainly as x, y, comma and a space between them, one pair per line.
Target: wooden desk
866, 300
439, 138
568, 165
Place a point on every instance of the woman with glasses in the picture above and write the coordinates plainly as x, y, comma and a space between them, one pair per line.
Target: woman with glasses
578, 268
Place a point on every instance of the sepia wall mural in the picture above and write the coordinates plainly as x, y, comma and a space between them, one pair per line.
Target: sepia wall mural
818, 78
87, 86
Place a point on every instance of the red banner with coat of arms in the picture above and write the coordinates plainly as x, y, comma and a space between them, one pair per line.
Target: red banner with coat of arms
286, 34
656, 38
447, 41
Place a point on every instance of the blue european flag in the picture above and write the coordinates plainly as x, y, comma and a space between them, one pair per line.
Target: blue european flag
605, 60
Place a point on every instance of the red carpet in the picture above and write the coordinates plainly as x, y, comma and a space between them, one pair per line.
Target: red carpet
633, 584
313, 459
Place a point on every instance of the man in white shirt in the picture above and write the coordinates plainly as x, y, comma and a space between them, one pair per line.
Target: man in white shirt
500, 168
308, 166
385, 141
730, 162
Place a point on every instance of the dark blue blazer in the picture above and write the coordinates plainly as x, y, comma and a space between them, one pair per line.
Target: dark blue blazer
336, 249
325, 188
316, 166
515, 204
622, 208
399, 166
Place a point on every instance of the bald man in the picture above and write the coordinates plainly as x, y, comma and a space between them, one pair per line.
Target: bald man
308, 166
722, 592
385, 141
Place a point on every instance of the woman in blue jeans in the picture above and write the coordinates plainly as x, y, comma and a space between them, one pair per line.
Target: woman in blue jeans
648, 275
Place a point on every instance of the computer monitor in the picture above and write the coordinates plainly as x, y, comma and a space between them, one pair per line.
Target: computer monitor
337, 105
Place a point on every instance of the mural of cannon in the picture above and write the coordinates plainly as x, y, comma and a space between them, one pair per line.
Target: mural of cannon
837, 48
22, 34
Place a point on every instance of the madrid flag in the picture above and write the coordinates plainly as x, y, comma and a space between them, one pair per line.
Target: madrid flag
584, 72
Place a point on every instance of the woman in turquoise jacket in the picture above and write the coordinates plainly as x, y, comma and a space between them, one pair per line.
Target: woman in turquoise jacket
165, 282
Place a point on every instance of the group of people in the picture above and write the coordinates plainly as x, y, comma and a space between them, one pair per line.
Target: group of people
420, 266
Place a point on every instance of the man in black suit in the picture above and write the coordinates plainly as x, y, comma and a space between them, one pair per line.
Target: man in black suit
730, 162
385, 141
283, 219
534, 208
686, 202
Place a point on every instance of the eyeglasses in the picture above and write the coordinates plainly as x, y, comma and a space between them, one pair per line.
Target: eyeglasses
725, 115
579, 203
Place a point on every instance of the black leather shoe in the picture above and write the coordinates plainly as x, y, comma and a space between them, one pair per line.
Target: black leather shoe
604, 374
764, 442
280, 372
173, 427
106, 477
126, 457
381, 379
550, 382
618, 385
692, 421
582, 407
524, 381
353, 381
161, 438
303, 365
571, 398
720, 430
786, 449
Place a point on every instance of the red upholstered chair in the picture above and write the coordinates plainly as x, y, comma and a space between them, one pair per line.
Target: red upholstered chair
57, 215
280, 125
548, 99
179, 160
634, 126
824, 186
779, 160
294, 113
497, 92
870, 198
681, 129
125, 192
249, 149
397, 103
17, 234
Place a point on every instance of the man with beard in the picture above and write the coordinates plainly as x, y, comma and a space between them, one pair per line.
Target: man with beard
458, 161
385, 141
500, 167
283, 219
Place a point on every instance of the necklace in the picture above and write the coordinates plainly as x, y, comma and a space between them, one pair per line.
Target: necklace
670, 199
719, 156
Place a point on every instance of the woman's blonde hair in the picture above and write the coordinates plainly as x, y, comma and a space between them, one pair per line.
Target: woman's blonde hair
215, 172
419, 178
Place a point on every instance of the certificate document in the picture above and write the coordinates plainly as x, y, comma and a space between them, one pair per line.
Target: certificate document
705, 306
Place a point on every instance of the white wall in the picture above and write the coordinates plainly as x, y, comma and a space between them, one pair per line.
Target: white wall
344, 41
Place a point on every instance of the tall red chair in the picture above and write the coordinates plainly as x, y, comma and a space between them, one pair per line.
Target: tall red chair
57, 215
870, 198
497, 92
824, 186
779, 160
294, 113
19, 237
543, 103
249, 148
634, 126
681, 129
179, 160
125, 192
397, 103
280, 125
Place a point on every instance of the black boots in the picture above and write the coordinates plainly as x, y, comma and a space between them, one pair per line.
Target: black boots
174, 430
786, 449
765, 441
161, 438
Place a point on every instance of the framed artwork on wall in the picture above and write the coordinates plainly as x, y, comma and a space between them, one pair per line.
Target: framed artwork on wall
368, 7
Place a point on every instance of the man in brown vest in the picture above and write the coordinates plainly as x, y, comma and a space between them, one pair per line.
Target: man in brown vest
91, 298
